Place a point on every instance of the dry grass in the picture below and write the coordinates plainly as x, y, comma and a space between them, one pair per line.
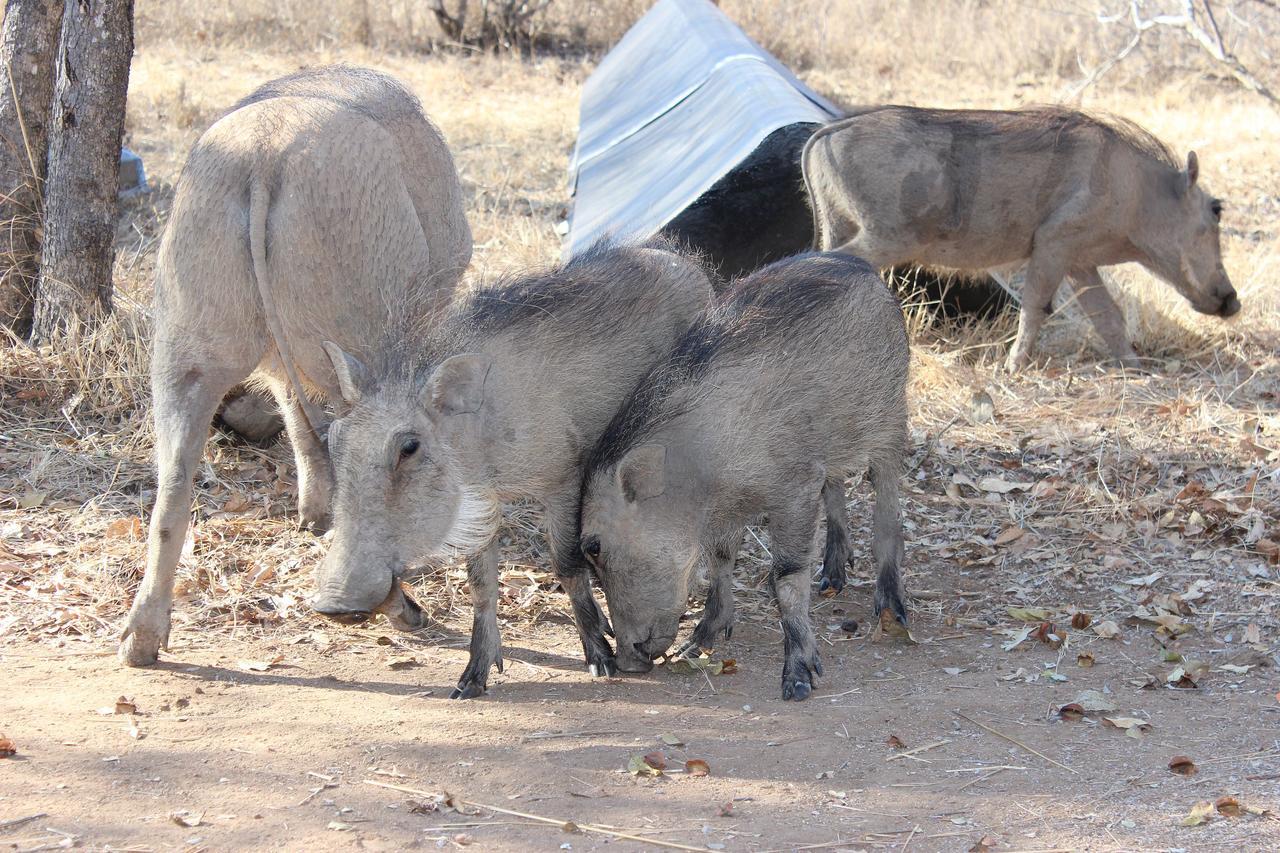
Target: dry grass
75, 443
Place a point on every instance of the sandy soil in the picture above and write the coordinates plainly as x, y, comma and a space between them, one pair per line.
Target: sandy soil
268, 738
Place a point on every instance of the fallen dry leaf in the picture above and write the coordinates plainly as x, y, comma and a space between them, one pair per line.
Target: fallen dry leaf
726, 809
1047, 633
888, 626
647, 765
895, 742
1008, 535
1092, 700
125, 528
1183, 765
1016, 638
258, 665
692, 666
1134, 727
401, 662
1029, 614
125, 705
7, 747
1228, 807
1253, 634
186, 818
1085, 659
1200, 813
697, 767
671, 740
1107, 630
985, 844
1002, 487
1071, 711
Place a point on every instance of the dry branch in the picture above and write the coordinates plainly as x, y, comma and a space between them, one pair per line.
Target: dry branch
1189, 21
566, 825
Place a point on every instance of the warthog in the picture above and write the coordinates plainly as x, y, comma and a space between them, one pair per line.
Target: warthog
500, 402
979, 189
300, 215
793, 379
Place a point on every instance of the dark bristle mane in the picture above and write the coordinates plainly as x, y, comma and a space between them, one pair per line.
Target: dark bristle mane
771, 302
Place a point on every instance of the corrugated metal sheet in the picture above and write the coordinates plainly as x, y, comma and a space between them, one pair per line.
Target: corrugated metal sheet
681, 100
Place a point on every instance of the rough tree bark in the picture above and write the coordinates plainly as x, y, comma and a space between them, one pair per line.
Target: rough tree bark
28, 43
86, 127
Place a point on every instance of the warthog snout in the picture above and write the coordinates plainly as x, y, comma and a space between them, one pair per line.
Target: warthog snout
1230, 305
638, 656
339, 613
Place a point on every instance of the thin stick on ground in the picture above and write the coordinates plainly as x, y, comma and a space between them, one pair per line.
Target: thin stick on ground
925, 748
550, 821
19, 821
1015, 742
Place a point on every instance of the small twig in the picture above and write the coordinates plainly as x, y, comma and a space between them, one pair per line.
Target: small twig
563, 824
975, 780
553, 735
19, 821
907, 843
925, 748
1016, 742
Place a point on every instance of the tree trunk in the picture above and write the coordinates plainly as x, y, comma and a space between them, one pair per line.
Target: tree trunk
27, 47
85, 130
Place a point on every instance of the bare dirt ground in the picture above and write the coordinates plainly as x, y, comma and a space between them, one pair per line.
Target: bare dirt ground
1073, 529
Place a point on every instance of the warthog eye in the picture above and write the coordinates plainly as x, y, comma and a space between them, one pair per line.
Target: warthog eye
591, 550
409, 447
1216, 207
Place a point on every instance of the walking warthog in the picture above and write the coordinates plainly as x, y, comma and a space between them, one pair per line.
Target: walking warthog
793, 379
501, 401
318, 201
979, 189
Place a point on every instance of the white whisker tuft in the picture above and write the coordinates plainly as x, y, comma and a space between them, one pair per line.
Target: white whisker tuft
475, 522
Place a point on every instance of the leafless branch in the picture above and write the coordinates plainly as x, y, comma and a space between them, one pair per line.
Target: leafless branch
1187, 20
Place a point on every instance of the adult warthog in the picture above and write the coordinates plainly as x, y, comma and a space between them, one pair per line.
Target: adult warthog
318, 201
792, 380
979, 189
500, 401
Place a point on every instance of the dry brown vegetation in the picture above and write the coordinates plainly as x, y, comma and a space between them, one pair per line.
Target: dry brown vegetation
1051, 489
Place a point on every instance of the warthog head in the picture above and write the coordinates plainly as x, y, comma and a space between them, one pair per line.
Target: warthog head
1183, 247
401, 457
640, 532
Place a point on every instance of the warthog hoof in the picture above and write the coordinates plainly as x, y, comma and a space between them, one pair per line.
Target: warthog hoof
890, 599
317, 522
142, 639
602, 663
475, 678
798, 677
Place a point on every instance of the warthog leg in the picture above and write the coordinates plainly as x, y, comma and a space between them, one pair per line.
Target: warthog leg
1107, 318
1045, 271
486, 641
791, 529
571, 570
315, 470
185, 398
836, 556
886, 539
717, 614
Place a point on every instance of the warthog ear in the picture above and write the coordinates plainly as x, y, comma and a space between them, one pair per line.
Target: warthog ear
1193, 169
457, 386
642, 474
352, 375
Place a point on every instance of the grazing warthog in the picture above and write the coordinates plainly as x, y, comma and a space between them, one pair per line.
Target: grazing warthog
979, 189
318, 201
793, 379
501, 401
